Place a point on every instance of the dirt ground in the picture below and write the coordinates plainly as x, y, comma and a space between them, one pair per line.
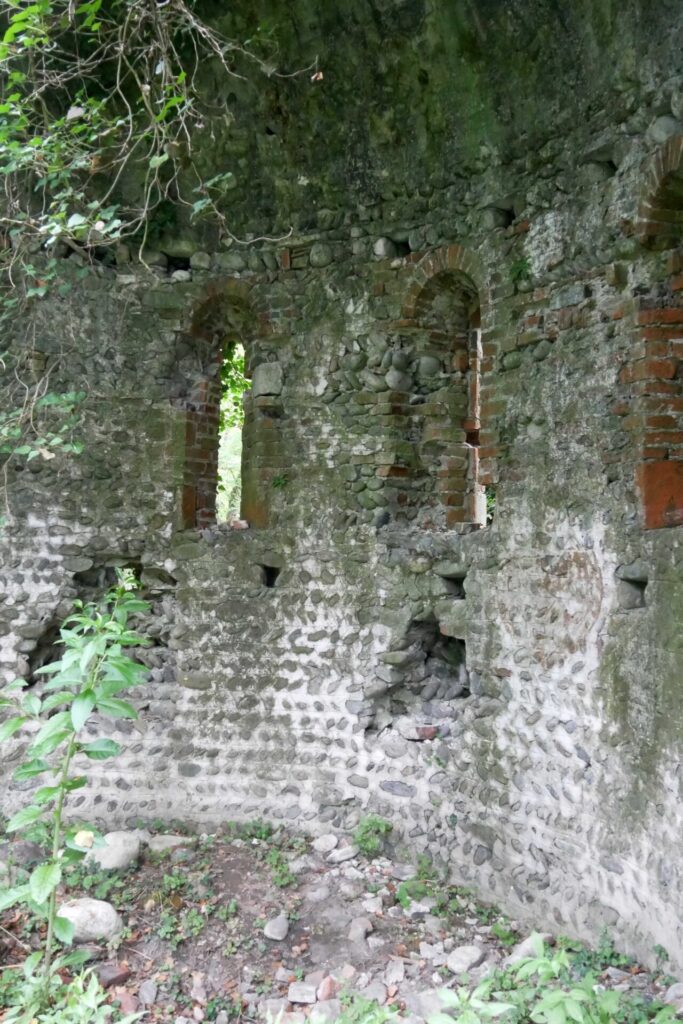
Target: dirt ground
195, 945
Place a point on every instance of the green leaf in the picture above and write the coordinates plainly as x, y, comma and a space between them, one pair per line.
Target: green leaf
76, 783
45, 794
55, 699
64, 930
50, 743
76, 220
43, 880
31, 704
30, 769
116, 708
157, 161
11, 896
24, 817
80, 709
52, 734
100, 750
11, 726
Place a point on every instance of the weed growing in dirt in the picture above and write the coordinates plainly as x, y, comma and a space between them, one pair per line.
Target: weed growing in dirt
370, 834
114, 886
280, 871
357, 1010
227, 910
176, 928
505, 936
594, 961
254, 830
412, 889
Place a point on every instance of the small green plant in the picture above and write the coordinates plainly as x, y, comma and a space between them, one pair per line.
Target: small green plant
358, 1010
221, 1003
192, 923
595, 961
412, 889
370, 834
503, 934
520, 270
425, 868
280, 871
169, 928
173, 883
227, 910
543, 966
86, 680
541, 990
281, 480
661, 955
262, 830
82, 1001
470, 1007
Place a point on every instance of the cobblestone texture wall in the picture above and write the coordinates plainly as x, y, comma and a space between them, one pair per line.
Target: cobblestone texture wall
509, 694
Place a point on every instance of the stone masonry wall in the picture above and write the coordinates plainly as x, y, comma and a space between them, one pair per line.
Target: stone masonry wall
507, 692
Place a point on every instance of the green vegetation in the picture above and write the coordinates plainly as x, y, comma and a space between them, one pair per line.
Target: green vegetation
358, 1010
594, 961
280, 870
544, 989
370, 834
86, 680
233, 384
100, 108
520, 270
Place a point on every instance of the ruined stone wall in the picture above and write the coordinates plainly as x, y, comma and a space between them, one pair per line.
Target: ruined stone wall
508, 692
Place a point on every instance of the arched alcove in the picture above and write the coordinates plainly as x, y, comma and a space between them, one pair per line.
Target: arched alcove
447, 342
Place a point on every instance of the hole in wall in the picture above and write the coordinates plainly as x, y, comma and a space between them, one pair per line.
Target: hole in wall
455, 586
178, 263
269, 575
402, 248
490, 499
631, 594
418, 687
44, 653
443, 671
102, 577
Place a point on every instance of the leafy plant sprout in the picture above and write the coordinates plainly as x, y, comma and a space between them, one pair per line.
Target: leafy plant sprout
86, 680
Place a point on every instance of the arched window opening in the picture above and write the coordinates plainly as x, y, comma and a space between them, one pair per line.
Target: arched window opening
234, 384
448, 345
213, 393
655, 375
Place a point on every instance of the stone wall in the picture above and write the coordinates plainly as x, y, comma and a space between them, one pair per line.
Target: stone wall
507, 692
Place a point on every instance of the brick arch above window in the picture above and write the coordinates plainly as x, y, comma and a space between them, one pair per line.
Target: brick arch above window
659, 222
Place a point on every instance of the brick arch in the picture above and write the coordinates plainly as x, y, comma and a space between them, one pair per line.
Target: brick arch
449, 269
225, 315
659, 221
654, 375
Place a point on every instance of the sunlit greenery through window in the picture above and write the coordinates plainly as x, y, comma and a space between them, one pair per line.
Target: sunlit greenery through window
234, 384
